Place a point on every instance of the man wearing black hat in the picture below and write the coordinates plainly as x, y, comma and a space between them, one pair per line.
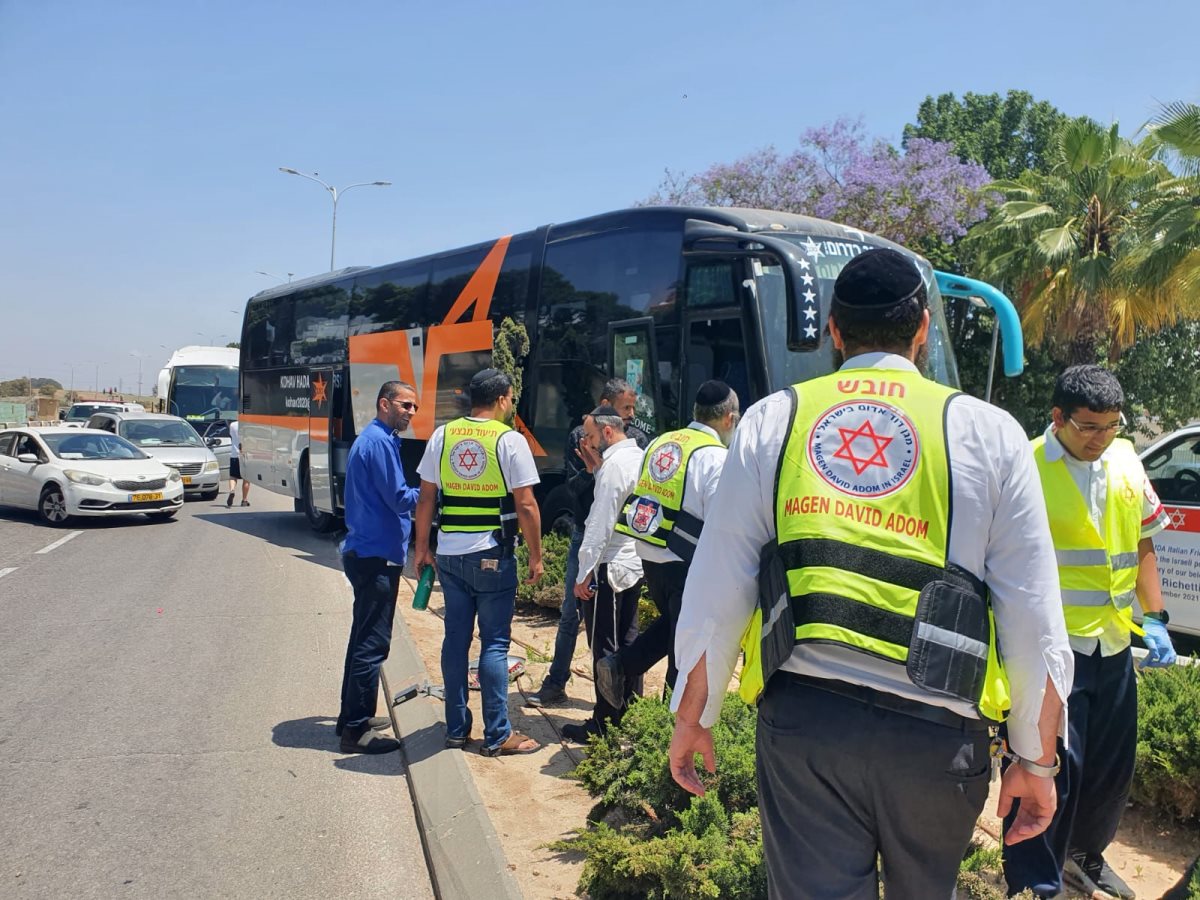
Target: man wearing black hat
896, 532
485, 473
665, 515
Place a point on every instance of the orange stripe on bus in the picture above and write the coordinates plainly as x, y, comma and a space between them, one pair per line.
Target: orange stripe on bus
481, 287
294, 423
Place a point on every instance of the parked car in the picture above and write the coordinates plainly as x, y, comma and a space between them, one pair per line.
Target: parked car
63, 472
79, 413
1173, 466
171, 440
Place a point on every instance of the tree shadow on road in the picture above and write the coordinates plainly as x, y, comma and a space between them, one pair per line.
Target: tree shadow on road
283, 529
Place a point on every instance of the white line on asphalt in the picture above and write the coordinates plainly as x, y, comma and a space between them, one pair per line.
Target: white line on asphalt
4, 572
60, 542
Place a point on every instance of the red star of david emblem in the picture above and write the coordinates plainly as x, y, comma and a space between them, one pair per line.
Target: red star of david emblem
664, 462
468, 459
865, 432
318, 387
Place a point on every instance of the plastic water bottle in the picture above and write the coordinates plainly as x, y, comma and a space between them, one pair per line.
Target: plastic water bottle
424, 588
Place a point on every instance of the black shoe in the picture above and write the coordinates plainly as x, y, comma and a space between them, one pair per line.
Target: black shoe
610, 680
229, 502
457, 743
579, 734
1089, 873
365, 740
548, 695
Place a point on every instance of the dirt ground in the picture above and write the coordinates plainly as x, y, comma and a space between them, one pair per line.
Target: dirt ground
533, 801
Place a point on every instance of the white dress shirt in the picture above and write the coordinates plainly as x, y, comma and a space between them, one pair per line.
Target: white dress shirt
1092, 480
615, 481
999, 532
700, 486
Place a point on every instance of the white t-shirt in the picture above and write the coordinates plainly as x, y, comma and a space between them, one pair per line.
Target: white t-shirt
234, 453
517, 465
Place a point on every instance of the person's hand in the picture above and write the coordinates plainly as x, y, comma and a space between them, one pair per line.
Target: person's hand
589, 457
689, 739
535, 570
422, 557
1160, 650
582, 591
1038, 801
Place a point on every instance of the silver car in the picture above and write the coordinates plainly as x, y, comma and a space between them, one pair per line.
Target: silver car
173, 442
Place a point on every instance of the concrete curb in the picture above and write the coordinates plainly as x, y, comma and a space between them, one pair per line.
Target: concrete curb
465, 858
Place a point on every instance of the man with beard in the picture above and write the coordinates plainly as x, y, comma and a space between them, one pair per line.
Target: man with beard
896, 532
379, 506
485, 472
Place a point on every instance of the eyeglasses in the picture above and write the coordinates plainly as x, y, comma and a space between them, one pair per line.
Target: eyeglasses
1091, 430
406, 405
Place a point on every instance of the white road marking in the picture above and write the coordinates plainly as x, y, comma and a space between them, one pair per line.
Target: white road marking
4, 572
60, 542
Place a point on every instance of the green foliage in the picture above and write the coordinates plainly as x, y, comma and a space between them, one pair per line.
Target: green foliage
1167, 774
19, 387
509, 352
548, 590
647, 611
1159, 375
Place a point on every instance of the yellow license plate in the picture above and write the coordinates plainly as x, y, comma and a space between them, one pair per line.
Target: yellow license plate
187, 479
145, 498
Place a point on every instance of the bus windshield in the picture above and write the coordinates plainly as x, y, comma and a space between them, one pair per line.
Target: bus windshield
785, 367
201, 393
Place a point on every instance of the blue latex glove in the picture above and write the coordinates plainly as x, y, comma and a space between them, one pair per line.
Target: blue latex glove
1160, 651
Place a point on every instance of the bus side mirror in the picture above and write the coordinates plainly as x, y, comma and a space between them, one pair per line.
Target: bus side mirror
801, 285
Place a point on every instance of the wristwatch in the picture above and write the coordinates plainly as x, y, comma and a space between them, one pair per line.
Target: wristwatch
1162, 616
1041, 771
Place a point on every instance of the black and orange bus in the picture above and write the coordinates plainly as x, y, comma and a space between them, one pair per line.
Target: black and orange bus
664, 297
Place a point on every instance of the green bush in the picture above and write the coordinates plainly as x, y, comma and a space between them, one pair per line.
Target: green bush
548, 590
1167, 774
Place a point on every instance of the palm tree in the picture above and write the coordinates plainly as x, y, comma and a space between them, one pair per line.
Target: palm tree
1057, 242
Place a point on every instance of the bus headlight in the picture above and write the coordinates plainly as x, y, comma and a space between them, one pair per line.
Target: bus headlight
78, 477
212, 466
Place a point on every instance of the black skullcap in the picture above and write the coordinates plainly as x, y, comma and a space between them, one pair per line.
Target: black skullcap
483, 376
713, 392
877, 279
605, 409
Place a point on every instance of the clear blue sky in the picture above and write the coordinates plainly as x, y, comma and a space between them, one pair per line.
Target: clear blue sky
140, 142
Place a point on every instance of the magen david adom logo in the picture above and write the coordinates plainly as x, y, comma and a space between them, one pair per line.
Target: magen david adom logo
863, 448
665, 461
468, 459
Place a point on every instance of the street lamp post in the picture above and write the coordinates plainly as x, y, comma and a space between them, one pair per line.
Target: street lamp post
335, 194
215, 337
140, 357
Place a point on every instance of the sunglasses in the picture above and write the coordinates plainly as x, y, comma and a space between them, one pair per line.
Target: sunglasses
406, 405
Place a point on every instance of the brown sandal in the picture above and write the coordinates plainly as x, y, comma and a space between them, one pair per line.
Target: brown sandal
517, 743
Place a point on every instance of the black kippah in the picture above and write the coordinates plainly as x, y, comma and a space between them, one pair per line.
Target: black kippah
605, 409
713, 392
484, 375
877, 279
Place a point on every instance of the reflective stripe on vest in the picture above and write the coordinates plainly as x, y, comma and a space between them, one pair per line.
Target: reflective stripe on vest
654, 512
862, 517
1097, 572
474, 496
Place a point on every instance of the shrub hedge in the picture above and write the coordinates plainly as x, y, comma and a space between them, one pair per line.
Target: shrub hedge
1167, 774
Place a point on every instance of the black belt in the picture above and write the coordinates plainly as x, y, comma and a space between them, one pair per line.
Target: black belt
939, 715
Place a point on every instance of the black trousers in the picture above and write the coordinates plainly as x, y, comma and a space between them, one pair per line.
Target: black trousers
611, 621
842, 780
664, 583
376, 585
1093, 783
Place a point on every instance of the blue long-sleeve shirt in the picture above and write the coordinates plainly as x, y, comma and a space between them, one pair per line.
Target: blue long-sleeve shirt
379, 502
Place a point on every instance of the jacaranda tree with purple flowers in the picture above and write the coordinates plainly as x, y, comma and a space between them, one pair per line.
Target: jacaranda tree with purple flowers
917, 196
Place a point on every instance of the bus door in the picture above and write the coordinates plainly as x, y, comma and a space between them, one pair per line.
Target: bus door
322, 429
716, 340
632, 356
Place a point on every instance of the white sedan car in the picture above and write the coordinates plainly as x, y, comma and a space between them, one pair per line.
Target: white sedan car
1173, 464
63, 472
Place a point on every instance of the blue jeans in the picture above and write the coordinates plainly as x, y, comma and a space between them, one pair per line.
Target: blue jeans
375, 585
471, 590
568, 625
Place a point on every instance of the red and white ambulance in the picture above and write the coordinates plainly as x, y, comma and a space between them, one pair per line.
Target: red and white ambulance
1173, 464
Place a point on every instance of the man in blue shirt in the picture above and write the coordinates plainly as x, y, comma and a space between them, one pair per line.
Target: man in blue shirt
379, 505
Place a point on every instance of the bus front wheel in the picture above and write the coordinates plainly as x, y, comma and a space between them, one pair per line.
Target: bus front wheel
318, 520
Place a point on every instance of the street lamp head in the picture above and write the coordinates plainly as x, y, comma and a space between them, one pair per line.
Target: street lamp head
288, 171
382, 183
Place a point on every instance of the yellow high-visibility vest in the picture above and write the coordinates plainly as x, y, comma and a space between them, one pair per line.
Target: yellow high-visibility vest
1097, 572
654, 512
475, 497
862, 517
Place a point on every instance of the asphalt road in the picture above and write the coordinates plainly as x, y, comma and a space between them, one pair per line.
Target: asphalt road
167, 698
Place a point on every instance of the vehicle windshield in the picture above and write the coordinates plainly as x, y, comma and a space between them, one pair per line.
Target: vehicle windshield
204, 393
785, 367
81, 412
160, 433
91, 445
